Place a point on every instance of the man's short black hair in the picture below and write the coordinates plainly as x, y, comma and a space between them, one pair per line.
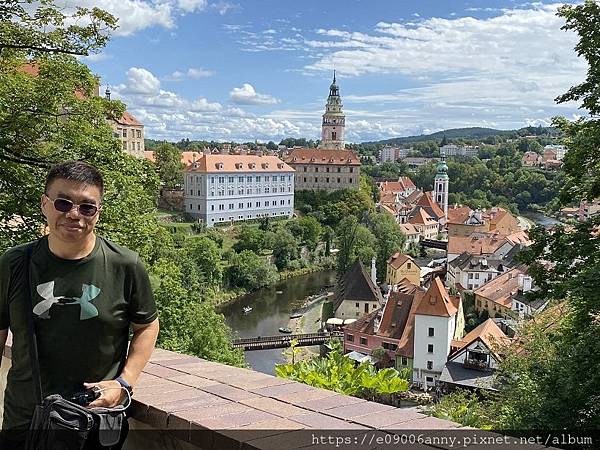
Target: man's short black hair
75, 171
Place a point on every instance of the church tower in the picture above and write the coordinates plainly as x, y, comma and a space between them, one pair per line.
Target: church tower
334, 121
441, 185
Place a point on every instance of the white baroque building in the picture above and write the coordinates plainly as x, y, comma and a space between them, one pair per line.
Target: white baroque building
229, 188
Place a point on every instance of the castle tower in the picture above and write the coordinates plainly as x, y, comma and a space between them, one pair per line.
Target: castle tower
334, 121
441, 185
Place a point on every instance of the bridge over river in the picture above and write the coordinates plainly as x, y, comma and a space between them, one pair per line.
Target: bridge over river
269, 342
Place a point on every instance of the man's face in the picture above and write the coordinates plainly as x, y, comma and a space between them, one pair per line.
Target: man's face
71, 226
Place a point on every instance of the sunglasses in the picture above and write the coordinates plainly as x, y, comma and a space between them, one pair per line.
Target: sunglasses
85, 209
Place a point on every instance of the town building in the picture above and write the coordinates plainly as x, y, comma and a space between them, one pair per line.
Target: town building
474, 364
403, 187
504, 296
495, 219
531, 159
323, 169
390, 153
415, 326
470, 271
486, 244
414, 162
228, 188
555, 152
400, 267
356, 293
588, 209
463, 150
412, 235
129, 131
426, 225
441, 182
334, 120
330, 167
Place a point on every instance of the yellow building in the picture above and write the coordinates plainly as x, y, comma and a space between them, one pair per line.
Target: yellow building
401, 266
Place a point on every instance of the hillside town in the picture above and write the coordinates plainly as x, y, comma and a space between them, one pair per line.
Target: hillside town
371, 219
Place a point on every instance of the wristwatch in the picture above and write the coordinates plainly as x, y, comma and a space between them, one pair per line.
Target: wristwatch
125, 384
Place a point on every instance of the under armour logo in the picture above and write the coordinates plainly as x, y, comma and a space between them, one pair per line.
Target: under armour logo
46, 291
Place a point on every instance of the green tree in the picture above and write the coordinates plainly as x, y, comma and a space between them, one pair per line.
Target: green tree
188, 325
169, 165
207, 256
250, 271
284, 246
565, 264
250, 238
388, 240
353, 241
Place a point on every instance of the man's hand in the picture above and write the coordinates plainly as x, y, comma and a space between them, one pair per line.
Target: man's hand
109, 398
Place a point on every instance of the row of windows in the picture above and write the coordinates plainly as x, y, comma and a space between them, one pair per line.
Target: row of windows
133, 146
134, 133
240, 205
249, 216
248, 179
364, 341
240, 190
339, 169
327, 180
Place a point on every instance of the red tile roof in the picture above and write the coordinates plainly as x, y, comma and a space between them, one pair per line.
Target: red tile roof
501, 289
187, 158
476, 244
398, 259
421, 217
322, 156
218, 163
436, 301
458, 214
434, 210
128, 119
489, 332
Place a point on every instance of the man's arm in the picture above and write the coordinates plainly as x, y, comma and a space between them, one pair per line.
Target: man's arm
140, 350
3, 337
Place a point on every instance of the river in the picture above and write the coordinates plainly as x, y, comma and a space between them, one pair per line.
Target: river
270, 311
540, 219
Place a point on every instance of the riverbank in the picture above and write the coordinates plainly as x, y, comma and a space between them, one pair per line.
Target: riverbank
309, 323
227, 298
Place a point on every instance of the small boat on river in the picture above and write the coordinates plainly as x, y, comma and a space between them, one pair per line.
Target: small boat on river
247, 309
296, 315
285, 330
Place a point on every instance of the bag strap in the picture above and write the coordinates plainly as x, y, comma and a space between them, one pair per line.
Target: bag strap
33, 348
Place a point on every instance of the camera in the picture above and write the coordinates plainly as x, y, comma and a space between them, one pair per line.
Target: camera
84, 398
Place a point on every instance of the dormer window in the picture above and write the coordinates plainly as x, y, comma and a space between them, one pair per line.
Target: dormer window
252, 165
239, 165
312, 159
219, 166
280, 165
265, 165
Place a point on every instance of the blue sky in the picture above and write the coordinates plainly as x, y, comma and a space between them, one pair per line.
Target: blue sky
246, 70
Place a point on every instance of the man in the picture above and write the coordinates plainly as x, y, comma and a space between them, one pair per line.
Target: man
86, 293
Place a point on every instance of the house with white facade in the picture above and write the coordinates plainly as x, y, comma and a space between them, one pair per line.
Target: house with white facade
229, 188
472, 271
356, 294
435, 326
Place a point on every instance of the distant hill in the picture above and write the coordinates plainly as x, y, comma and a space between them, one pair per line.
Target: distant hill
467, 133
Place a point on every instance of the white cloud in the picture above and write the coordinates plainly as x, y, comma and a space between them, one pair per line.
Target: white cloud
191, 5
224, 7
136, 15
142, 81
247, 95
191, 73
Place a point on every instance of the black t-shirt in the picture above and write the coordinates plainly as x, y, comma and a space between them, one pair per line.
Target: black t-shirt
82, 311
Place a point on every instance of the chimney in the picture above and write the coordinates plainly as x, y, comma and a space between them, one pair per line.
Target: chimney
373, 271
527, 283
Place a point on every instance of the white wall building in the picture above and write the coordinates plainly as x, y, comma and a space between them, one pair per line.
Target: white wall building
228, 188
435, 327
